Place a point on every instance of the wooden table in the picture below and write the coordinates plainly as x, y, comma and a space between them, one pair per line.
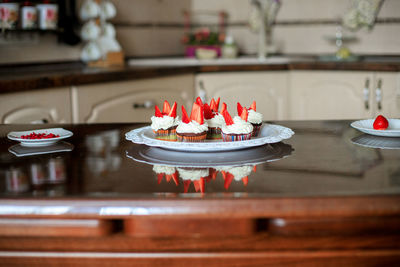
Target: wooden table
325, 200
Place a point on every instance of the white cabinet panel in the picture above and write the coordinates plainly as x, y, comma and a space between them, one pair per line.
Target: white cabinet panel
330, 95
269, 89
390, 94
36, 106
130, 101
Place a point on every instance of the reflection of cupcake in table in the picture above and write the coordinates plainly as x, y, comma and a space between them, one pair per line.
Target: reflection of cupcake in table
193, 129
214, 119
236, 129
164, 123
254, 117
237, 173
167, 171
196, 175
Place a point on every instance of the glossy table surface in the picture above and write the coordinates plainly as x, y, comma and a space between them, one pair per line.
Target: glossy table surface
326, 160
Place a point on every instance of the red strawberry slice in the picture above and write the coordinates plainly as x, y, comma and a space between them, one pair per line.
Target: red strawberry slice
228, 177
158, 112
254, 168
227, 117
208, 114
381, 123
213, 105
244, 115
185, 117
199, 101
223, 108
175, 178
239, 109
172, 112
213, 173
202, 184
245, 180
159, 177
166, 108
186, 185
196, 185
197, 114
217, 102
253, 106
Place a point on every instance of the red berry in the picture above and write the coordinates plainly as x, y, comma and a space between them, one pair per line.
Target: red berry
381, 123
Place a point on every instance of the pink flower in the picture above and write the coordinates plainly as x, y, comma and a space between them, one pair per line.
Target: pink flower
50, 14
5, 13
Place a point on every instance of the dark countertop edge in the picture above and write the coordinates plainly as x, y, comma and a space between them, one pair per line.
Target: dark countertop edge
257, 207
80, 75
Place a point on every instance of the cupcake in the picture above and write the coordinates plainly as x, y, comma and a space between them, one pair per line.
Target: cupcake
254, 118
214, 120
236, 129
192, 129
195, 175
164, 123
240, 173
169, 172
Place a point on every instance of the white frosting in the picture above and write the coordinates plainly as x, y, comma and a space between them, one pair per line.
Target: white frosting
239, 126
164, 169
255, 117
163, 122
217, 122
192, 127
239, 172
193, 174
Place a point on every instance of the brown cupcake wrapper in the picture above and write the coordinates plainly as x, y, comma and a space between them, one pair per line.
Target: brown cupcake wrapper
191, 138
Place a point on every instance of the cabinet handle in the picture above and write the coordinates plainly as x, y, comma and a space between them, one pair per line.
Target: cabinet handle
146, 104
202, 92
366, 94
378, 94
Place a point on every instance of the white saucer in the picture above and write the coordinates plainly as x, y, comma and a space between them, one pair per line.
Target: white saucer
376, 141
16, 136
366, 126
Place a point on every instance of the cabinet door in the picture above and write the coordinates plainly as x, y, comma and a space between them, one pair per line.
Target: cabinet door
39, 106
269, 89
389, 105
130, 101
330, 95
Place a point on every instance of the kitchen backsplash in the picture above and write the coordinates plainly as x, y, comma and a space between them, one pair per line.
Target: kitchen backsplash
154, 28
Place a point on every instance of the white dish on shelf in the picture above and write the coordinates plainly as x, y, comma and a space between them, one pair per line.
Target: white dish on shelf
366, 126
24, 151
16, 136
249, 156
269, 134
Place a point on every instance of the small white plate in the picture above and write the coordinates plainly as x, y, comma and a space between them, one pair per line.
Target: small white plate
23, 151
16, 136
366, 126
269, 134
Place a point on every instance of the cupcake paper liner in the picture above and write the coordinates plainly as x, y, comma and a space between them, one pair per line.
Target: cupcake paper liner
235, 137
192, 139
256, 130
166, 135
214, 133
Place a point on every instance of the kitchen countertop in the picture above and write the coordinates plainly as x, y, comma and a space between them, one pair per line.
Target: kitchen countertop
325, 169
22, 78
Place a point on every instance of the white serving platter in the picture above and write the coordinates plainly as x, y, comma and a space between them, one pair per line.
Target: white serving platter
16, 136
370, 141
24, 151
366, 126
269, 134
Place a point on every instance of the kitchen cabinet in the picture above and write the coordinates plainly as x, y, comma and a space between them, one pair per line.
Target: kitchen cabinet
387, 94
269, 89
343, 95
129, 101
39, 106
